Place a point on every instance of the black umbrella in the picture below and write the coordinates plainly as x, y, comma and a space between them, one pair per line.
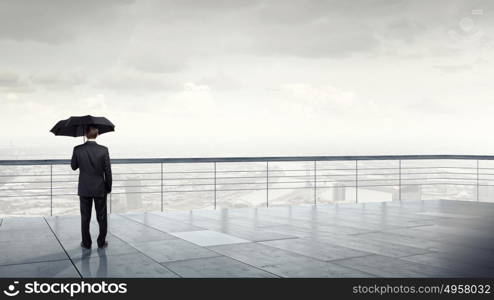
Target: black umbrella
76, 126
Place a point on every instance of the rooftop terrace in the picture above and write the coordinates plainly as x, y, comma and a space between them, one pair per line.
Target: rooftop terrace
305, 216
434, 238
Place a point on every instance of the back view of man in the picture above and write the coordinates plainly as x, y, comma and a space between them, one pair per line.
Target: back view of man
95, 182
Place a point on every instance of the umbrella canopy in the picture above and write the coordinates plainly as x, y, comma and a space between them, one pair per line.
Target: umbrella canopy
76, 126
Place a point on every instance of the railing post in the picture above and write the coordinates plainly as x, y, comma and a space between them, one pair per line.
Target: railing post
51, 190
399, 180
214, 185
478, 198
161, 187
356, 181
315, 183
267, 184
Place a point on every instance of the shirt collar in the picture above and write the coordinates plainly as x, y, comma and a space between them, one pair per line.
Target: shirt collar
91, 140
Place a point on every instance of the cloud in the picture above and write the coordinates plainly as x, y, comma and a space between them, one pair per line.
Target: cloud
309, 29
11, 96
155, 64
125, 81
322, 98
269, 67
95, 103
221, 81
192, 87
58, 81
405, 29
11, 82
8, 79
300, 28
448, 69
434, 107
55, 21
155, 48
324, 38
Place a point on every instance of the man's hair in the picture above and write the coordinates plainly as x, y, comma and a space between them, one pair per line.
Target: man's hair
91, 132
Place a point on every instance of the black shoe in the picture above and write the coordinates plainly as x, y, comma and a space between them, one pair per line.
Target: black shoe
85, 247
104, 245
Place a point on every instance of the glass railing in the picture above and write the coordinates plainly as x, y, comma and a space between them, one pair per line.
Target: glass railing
49, 187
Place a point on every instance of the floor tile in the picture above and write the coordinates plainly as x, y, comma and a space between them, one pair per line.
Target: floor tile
372, 246
216, 267
126, 265
284, 263
208, 238
311, 248
115, 247
139, 233
384, 266
172, 250
59, 268
162, 223
21, 253
431, 238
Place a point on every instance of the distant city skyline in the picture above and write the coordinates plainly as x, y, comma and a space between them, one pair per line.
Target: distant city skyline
247, 78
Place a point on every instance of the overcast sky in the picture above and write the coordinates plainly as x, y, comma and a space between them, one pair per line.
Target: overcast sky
237, 77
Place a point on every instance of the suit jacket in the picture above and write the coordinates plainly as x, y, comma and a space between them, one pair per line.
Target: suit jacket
93, 161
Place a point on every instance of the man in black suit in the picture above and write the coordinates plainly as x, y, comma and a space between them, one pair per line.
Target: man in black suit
95, 182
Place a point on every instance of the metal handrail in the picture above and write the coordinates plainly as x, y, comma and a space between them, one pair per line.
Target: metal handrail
268, 178
262, 189
255, 159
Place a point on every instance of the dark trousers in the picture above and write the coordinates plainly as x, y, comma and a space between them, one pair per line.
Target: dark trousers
86, 208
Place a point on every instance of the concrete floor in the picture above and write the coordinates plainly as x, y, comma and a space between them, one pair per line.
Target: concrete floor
409, 239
